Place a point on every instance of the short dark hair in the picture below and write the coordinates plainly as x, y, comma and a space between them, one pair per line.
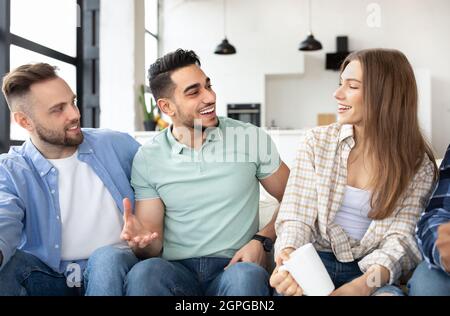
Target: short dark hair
17, 83
161, 85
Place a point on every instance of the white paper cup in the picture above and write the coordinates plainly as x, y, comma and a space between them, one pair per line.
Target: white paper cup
308, 271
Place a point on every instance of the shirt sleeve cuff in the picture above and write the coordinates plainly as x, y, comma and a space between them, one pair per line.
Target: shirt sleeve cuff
381, 260
292, 237
437, 259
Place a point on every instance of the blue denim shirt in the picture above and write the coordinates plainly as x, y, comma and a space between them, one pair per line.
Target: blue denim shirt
29, 206
437, 213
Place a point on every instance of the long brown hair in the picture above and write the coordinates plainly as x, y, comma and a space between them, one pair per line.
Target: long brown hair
391, 126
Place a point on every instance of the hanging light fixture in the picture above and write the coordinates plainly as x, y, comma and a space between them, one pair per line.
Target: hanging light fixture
310, 43
225, 48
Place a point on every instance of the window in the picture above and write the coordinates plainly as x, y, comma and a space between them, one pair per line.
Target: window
36, 31
151, 42
63, 33
52, 23
151, 33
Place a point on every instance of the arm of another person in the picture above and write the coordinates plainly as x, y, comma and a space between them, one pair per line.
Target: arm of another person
443, 246
433, 229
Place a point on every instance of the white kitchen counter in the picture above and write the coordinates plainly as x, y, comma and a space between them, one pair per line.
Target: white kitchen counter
284, 131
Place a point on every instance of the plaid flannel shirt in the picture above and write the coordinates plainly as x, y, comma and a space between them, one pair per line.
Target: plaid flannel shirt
314, 194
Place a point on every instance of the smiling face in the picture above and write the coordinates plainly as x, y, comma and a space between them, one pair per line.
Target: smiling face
193, 99
349, 95
55, 118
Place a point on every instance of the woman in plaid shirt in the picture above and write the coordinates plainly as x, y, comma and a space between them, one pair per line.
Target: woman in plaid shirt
358, 186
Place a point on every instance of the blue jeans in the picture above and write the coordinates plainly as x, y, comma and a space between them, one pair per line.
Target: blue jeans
104, 275
106, 270
26, 275
429, 282
344, 272
196, 277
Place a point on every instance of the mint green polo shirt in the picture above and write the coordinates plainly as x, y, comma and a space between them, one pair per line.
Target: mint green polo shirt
211, 196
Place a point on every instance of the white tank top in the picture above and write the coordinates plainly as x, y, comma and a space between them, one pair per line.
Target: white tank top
353, 213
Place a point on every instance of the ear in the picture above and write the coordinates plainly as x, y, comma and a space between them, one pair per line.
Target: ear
166, 107
23, 120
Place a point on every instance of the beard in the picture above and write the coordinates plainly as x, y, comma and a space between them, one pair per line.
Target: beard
190, 122
58, 138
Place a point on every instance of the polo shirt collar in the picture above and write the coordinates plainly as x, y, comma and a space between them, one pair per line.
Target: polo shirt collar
177, 147
213, 135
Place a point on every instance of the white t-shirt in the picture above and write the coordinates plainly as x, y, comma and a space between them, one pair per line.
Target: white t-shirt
354, 211
89, 215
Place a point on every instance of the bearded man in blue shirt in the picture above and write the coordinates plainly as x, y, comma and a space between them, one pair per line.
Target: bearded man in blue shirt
61, 192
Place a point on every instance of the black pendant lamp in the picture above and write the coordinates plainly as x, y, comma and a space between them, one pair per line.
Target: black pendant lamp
225, 48
310, 43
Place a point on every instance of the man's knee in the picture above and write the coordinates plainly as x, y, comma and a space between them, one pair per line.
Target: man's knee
150, 269
112, 258
246, 270
245, 278
153, 277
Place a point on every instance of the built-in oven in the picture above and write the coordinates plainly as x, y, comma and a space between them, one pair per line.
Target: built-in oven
245, 112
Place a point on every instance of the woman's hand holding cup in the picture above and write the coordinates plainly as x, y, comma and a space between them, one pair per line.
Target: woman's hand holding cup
282, 280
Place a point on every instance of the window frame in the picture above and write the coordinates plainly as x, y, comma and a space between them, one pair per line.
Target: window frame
155, 36
86, 63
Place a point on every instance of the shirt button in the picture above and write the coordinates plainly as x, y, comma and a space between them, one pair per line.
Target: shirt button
57, 217
56, 246
53, 191
42, 173
53, 170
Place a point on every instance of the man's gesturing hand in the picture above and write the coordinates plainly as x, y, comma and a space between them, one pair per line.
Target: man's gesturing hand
133, 231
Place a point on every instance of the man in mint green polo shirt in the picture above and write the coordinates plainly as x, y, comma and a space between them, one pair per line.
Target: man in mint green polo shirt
197, 191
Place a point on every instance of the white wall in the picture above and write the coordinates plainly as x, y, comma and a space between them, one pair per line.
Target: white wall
266, 34
295, 101
258, 30
121, 63
288, 94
